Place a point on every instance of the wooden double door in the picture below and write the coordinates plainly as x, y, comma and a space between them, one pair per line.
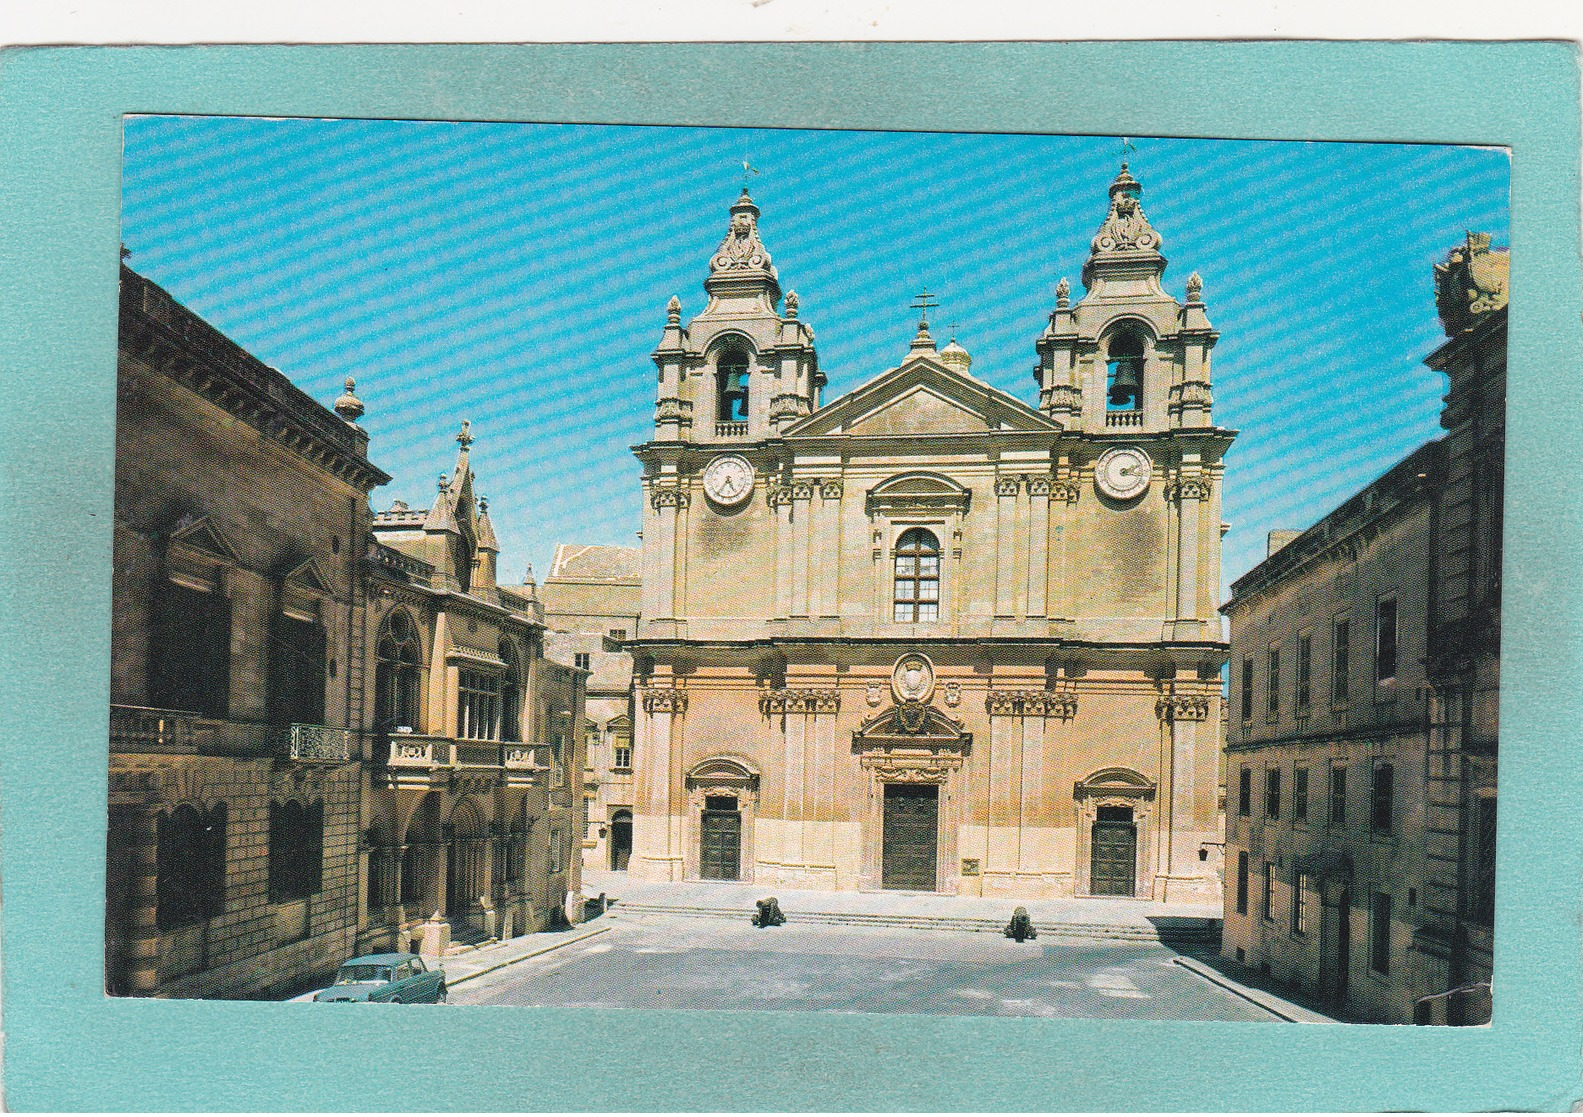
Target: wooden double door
910, 842
720, 839
1113, 862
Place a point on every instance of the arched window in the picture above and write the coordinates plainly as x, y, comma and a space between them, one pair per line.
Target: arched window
1124, 382
478, 706
917, 576
189, 882
510, 694
731, 384
397, 673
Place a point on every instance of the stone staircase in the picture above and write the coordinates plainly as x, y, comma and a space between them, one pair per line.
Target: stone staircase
1167, 930
465, 938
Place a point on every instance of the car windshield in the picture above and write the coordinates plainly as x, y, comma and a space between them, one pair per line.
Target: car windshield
352, 975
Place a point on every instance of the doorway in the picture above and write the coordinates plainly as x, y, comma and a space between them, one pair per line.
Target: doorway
720, 839
911, 837
620, 840
1114, 859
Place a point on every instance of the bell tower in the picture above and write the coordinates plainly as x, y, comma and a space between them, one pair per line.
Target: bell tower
1128, 358
743, 368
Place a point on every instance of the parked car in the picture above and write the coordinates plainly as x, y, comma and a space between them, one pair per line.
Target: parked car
387, 979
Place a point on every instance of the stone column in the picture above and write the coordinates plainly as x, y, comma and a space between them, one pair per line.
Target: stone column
1006, 489
655, 852
1038, 544
802, 496
793, 781
1190, 494
1036, 709
142, 931
1004, 798
665, 501
1181, 821
780, 499
827, 563
1063, 506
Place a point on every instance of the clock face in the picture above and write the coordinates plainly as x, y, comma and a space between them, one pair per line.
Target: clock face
1122, 472
728, 480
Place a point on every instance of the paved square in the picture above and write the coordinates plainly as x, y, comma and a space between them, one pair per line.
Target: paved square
665, 961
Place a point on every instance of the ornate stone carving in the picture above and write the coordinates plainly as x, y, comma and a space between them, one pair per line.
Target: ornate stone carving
953, 694
913, 770
1065, 490
874, 693
802, 490
791, 304
1192, 490
1039, 486
669, 497
1063, 293
1063, 397
741, 250
1006, 486
1032, 703
673, 409
1195, 288
665, 700
778, 495
912, 679
830, 490
1471, 283
673, 312
1182, 707
798, 700
1125, 227
788, 405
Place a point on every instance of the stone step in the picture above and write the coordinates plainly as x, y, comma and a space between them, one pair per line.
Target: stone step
1179, 930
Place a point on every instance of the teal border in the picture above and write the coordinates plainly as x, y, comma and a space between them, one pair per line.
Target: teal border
67, 1047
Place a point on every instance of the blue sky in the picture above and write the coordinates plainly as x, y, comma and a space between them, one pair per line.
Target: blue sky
516, 275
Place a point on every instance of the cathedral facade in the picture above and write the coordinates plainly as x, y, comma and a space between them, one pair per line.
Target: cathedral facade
927, 636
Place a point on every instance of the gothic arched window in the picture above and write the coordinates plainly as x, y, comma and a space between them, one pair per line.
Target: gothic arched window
1124, 380
397, 673
189, 860
731, 383
510, 694
917, 576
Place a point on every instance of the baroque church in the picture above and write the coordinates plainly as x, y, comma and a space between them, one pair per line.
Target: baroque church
926, 636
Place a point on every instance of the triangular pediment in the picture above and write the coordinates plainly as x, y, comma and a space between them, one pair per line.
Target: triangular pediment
200, 534
306, 574
922, 397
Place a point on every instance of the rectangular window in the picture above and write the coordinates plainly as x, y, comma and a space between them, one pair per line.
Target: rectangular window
1300, 904
1382, 798
1245, 792
1305, 660
297, 664
190, 664
623, 758
1481, 906
1272, 706
555, 851
582, 660
618, 634
478, 706
1338, 796
1300, 795
1268, 902
296, 850
1272, 793
1380, 933
1338, 663
558, 772
1242, 882
1385, 639
1247, 689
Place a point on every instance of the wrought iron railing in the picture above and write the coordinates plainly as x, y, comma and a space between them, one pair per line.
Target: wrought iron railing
317, 744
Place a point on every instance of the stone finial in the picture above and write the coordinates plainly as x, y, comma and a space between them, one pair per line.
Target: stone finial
1063, 293
527, 578
349, 407
466, 435
1195, 288
445, 482
791, 304
1471, 282
483, 506
673, 312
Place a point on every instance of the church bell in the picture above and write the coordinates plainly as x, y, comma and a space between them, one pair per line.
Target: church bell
1126, 384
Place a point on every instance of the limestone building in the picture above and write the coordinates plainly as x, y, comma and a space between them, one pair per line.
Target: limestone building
591, 601
928, 636
474, 806
237, 682
1360, 850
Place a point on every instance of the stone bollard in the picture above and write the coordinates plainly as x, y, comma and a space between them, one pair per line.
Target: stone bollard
1021, 927
769, 914
436, 938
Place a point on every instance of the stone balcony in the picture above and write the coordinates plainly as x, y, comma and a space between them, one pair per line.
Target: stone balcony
142, 729
419, 761
1124, 418
731, 429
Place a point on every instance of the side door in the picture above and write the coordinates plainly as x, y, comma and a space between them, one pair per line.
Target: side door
426, 982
